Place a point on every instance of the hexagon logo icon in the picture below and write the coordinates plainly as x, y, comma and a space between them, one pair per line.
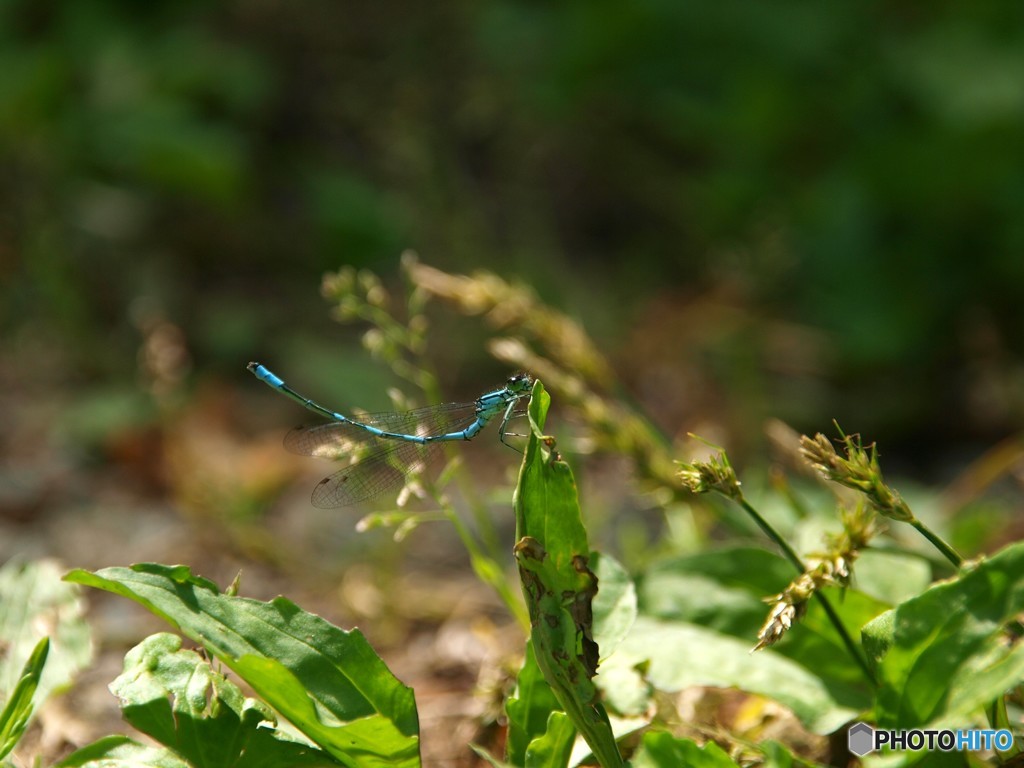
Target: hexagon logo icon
860, 739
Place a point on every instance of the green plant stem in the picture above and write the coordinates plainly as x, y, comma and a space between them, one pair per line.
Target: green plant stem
488, 570
794, 558
484, 524
485, 566
939, 543
851, 646
772, 534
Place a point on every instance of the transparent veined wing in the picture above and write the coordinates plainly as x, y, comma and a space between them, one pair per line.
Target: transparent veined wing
432, 420
337, 439
375, 464
383, 469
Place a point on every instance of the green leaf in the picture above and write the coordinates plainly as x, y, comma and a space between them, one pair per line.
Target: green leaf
815, 645
34, 601
18, 710
490, 759
546, 505
367, 740
615, 603
528, 708
725, 590
176, 697
948, 656
627, 691
327, 682
674, 656
553, 748
121, 752
663, 750
722, 590
877, 636
559, 587
891, 577
777, 755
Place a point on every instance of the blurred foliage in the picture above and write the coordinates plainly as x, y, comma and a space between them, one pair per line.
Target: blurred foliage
797, 210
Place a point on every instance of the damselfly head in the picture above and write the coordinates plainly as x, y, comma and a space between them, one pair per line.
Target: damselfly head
520, 384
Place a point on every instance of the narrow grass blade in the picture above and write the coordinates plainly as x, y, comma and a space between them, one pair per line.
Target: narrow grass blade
34, 601
18, 710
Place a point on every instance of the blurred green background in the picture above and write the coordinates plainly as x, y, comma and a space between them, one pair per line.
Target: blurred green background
794, 210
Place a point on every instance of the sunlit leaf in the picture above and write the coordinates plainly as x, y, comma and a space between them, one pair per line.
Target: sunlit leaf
673, 656
947, 656
558, 584
176, 697
891, 576
663, 750
328, 682
615, 603
553, 748
121, 752
723, 589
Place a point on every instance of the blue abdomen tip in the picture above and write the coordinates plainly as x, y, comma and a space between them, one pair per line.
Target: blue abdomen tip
264, 374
